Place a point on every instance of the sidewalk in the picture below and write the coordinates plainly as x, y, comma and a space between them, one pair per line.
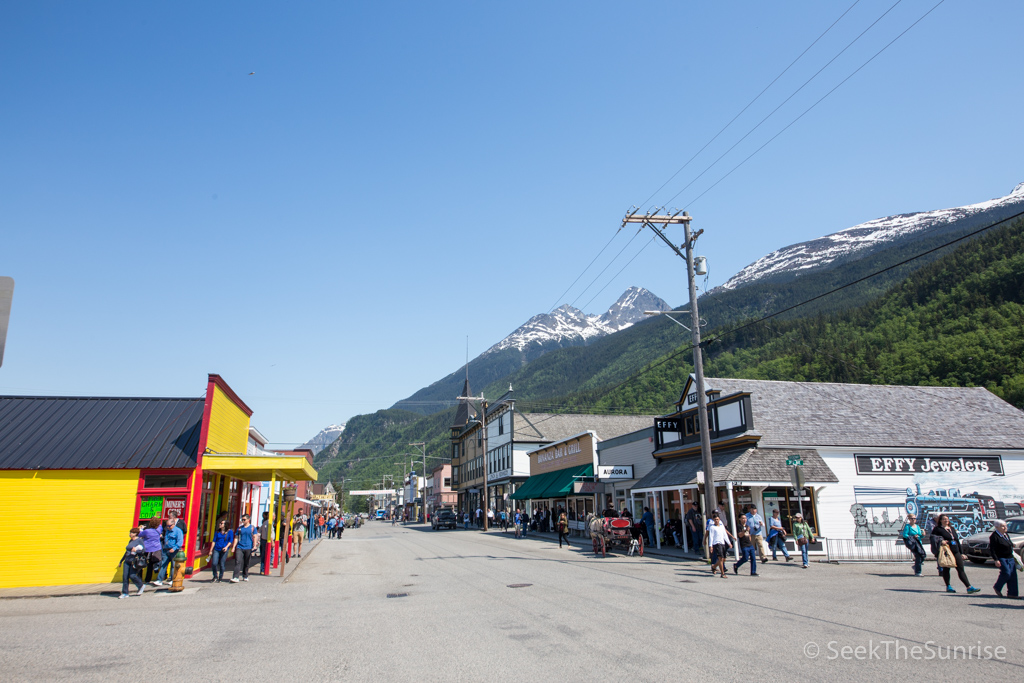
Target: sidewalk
198, 580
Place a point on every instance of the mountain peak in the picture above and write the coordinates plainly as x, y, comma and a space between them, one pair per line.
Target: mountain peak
834, 248
569, 326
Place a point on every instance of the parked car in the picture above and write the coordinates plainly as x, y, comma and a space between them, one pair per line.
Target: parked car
976, 546
443, 518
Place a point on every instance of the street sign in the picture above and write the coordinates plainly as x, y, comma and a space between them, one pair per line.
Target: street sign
796, 476
794, 461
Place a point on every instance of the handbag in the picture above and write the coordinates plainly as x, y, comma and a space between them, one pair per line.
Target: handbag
140, 560
1016, 559
946, 559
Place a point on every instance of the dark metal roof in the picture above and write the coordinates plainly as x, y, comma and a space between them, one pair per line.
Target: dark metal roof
49, 432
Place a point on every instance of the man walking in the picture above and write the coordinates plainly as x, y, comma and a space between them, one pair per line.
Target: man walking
172, 543
518, 522
755, 527
266, 543
694, 527
1001, 548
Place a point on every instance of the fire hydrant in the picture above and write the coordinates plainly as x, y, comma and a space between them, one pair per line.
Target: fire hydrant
178, 584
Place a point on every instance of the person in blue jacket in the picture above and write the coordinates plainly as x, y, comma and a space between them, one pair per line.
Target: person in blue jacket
172, 543
647, 518
223, 538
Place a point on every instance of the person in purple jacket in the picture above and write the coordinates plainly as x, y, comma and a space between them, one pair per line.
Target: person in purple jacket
151, 545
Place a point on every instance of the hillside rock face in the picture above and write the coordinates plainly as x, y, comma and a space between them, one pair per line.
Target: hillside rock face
568, 326
854, 242
324, 438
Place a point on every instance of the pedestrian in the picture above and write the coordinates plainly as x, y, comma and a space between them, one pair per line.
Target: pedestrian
133, 560
518, 520
151, 543
912, 536
563, 530
172, 543
647, 520
526, 521
777, 537
746, 541
490, 517
246, 537
694, 527
755, 526
332, 523
718, 539
951, 539
465, 520
223, 537
504, 522
298, 534
803, 535
626, 514
1001, 548
266, 543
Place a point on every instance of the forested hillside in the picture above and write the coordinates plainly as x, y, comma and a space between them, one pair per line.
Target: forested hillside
956, 322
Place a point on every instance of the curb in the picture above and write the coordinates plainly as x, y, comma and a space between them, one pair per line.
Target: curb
301, 560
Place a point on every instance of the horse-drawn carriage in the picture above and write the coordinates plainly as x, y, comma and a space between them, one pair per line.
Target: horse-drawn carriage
609, 532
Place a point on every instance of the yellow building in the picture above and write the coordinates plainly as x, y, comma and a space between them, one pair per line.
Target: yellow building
77, 473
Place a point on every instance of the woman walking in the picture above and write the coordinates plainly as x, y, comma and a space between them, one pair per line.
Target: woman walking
803, 535
151, 544
134, 559
563, 530
912, 536
951, 539
223, 538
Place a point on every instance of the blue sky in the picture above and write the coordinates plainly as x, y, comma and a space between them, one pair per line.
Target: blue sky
396, 177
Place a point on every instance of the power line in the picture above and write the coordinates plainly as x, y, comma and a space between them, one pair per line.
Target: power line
783, 103
806, 111
555, 305
749, 104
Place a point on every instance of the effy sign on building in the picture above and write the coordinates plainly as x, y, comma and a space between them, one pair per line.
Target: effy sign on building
900, 464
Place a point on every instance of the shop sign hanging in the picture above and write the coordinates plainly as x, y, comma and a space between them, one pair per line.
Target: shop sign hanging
615, 472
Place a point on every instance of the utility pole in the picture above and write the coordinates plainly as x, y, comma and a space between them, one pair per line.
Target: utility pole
681, 217
483, 427
423, 497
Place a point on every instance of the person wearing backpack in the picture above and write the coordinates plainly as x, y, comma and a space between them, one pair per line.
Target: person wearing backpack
246, 537
133, 560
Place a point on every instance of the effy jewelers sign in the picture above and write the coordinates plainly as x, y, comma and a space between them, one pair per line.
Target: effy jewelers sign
932, 464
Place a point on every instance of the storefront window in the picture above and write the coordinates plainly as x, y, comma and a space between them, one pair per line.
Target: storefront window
788, 504
165, 481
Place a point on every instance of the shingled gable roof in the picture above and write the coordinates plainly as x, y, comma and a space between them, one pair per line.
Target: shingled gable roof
877, 415
754, 465
45, 433
548, 427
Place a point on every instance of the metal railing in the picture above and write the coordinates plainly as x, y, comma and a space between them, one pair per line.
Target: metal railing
866, 550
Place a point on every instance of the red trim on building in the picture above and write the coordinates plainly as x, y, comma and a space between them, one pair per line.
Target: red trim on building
195, 486
219, 381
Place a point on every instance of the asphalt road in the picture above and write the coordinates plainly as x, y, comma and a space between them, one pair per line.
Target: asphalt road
581, 618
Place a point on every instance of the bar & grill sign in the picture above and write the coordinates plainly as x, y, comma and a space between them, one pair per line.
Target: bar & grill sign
931, 464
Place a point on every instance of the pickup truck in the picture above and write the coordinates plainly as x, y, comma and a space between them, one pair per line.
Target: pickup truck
443, 518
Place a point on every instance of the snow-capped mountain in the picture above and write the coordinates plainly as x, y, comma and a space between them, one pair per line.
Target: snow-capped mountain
568, 326
855, 241
325, 438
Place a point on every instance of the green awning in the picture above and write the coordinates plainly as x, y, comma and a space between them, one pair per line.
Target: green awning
552, 484
533, 486
561, 483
